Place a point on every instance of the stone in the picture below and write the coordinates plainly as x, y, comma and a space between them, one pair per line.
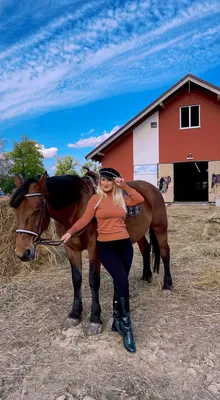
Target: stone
153, 397
192, 372
211, 364
212, 356
89, 398
208, 378
217, 385
213, 389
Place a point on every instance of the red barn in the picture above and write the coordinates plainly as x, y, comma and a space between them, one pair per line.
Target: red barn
174, 143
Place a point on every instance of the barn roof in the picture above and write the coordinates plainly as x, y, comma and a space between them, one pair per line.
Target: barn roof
97, 153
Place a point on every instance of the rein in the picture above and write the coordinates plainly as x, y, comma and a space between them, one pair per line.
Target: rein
44, 207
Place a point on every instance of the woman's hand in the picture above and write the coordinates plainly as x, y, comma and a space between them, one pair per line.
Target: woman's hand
119, 181
66, 237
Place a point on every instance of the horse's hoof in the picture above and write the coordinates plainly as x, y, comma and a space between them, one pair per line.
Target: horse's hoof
167, 292
166, 289
70, 322
167, 286
94, 328
146, 278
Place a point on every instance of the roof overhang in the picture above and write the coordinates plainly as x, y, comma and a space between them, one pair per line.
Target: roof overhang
98, 153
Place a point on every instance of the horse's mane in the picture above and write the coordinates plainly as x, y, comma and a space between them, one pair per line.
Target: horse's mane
63, 190
19, 195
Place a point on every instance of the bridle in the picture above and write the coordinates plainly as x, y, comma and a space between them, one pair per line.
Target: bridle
43, 210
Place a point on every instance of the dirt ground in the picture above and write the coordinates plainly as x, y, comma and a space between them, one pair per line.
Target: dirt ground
177, 335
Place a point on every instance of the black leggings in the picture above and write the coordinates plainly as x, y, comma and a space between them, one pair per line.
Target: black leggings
116, 256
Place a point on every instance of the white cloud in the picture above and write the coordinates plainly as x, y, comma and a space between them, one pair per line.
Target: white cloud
48, 153
92, 141
97, 51
53, 168
87, 133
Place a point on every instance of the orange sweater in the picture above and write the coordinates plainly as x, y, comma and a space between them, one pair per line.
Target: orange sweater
110, 218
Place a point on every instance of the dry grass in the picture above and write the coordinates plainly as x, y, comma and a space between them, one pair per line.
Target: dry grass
194, 232
10, 265
177, 336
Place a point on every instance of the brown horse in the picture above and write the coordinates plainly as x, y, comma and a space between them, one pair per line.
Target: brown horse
64, 198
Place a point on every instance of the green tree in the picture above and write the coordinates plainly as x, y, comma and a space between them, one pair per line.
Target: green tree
6, 180
66, 166
26, 159
92, 167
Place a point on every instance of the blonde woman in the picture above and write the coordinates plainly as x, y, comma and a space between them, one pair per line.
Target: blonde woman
114, 245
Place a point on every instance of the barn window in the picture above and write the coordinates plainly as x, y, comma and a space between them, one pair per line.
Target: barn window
153, 125
189, 117
145, 169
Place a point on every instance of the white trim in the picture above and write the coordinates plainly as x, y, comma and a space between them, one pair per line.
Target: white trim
149, 109
26, 231
205, 85
33, 194
189, 127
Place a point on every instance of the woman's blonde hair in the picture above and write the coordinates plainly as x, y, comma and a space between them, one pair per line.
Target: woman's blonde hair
118, 198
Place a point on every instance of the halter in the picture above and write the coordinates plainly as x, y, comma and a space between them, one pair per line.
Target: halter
25, 230
38, 239
44, 207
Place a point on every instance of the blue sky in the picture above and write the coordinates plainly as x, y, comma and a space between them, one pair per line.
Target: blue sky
72, 72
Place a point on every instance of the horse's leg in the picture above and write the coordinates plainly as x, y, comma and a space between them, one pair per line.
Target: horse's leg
95, 325
165, 255
144, 248
75, 260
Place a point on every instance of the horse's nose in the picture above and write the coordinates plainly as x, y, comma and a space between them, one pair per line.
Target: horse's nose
28, 255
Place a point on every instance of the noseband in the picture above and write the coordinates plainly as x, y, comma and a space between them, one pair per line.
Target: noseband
38, 239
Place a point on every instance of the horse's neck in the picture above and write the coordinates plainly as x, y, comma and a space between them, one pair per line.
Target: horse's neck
70, 214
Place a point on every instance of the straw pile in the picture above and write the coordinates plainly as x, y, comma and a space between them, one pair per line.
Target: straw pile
194, 233
10, 265
212, 227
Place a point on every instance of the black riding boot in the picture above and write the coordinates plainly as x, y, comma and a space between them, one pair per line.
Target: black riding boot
126, 327
116, 326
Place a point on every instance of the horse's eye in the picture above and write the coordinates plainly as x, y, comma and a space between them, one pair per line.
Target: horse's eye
37, 210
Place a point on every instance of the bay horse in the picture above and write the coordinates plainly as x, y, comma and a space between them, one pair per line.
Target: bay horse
64, 198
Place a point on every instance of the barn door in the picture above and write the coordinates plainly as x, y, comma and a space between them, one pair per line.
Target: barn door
166, 182
214, 180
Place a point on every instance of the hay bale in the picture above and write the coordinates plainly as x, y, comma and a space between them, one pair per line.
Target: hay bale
212, 227
10, 264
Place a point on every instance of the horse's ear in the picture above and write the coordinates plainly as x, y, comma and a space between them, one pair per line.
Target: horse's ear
41, 183
18, 181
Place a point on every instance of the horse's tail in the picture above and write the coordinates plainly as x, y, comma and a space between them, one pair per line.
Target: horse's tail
156, 251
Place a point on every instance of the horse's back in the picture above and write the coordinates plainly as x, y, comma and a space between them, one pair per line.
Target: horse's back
149, 192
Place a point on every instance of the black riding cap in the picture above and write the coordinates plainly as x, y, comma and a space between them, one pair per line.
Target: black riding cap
109, 173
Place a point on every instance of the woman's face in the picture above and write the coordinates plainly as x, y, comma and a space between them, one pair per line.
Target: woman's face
106, 184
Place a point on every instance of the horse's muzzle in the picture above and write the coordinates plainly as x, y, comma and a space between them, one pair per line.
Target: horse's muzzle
28, 254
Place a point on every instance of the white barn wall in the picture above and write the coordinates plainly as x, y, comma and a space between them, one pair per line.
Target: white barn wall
146, 149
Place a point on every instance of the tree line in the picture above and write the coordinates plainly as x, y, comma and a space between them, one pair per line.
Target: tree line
26, 160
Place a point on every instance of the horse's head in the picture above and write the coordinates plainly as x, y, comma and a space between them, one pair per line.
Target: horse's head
31, 213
